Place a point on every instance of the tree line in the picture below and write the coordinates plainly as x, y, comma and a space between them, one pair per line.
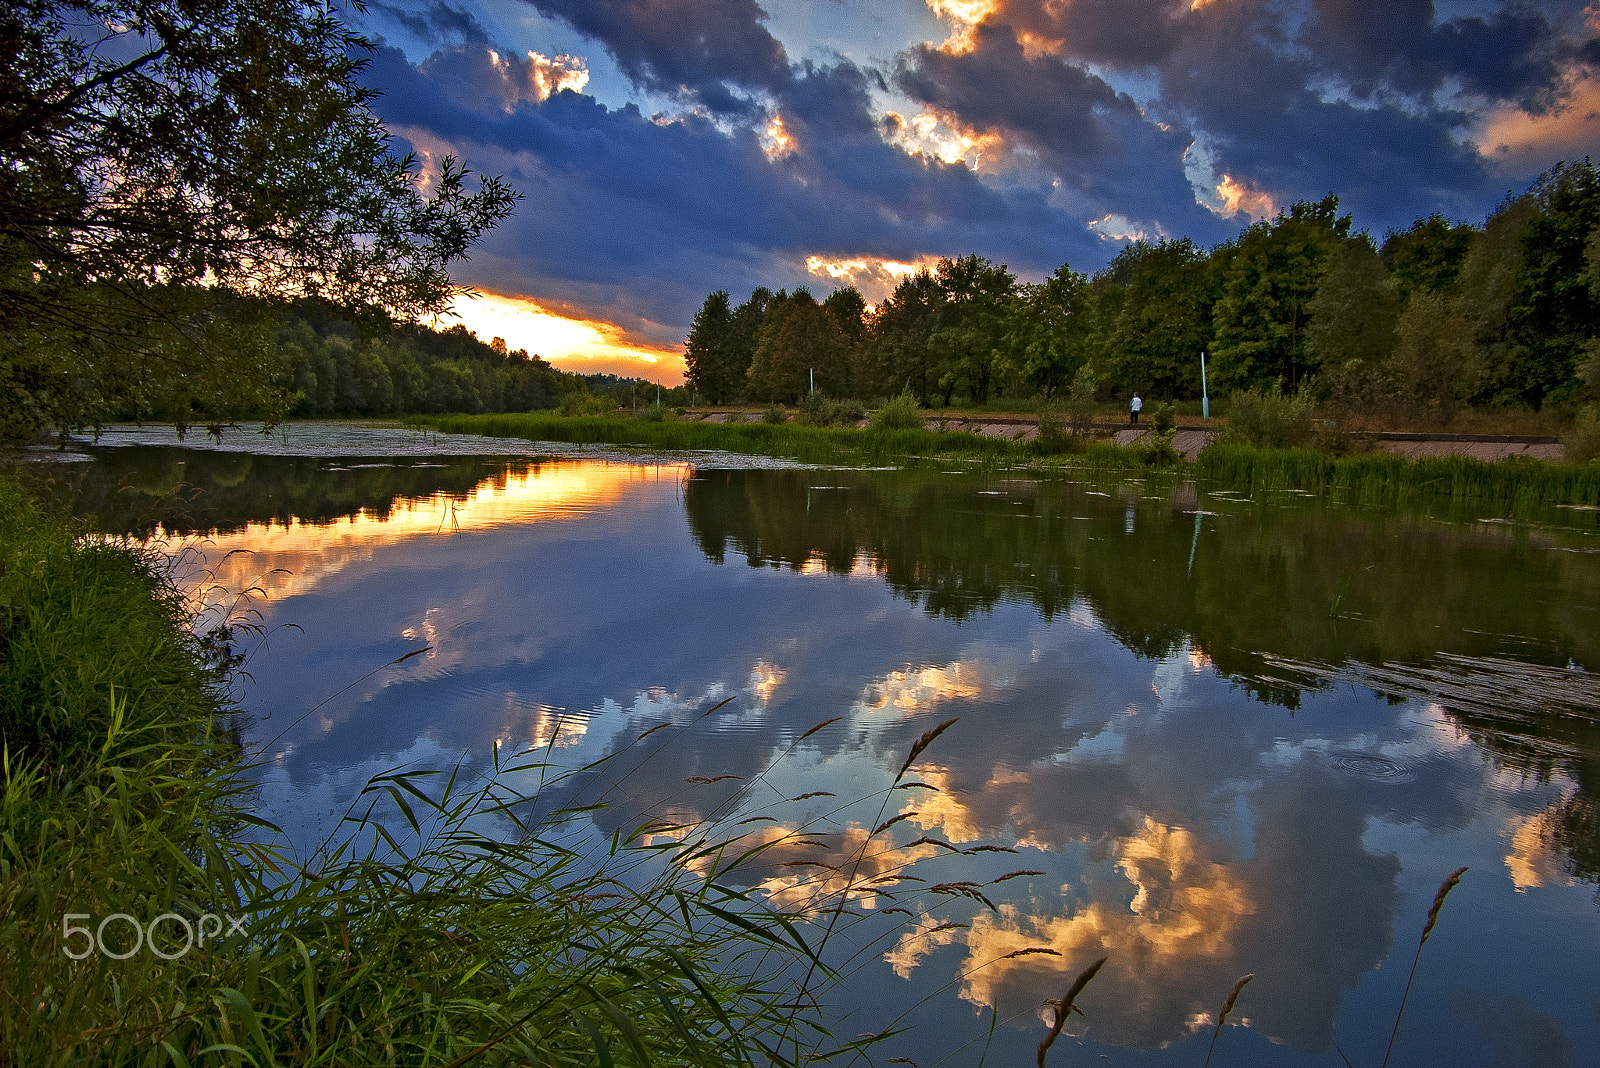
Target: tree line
330, 364
1431, 319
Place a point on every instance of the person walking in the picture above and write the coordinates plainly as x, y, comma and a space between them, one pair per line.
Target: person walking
1134, 409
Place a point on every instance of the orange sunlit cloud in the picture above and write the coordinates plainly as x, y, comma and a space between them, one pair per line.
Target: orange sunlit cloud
964, 17
874, 276
1244, 198
1518, 137
585, 346
938, 135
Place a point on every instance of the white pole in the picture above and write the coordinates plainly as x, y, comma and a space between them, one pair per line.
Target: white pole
1205, 398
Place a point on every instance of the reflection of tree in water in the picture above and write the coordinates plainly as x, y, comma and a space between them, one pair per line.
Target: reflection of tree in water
186, 491
1249, 590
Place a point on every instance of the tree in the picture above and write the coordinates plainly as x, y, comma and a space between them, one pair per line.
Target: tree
1554, 316
1165, 318
1426, 256
1048, 326
153, 148
1354, 313
969, 334
895, 353
711, 352
796, 335
1265, 306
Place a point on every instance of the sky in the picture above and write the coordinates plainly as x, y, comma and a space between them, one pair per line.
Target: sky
668, 148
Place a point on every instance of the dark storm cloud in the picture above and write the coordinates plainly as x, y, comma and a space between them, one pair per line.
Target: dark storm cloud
1515, 55
437, 23
1095, 139
622, 208
704, 48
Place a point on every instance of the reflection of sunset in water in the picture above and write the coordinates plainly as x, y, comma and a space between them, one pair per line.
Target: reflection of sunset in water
281, 560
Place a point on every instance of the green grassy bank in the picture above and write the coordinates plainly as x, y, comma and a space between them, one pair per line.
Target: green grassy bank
125, 827
1367, 478
808, 444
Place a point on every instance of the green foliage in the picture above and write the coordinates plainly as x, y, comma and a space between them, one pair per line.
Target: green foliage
1427, 256
1442, 317
715, 360
1163, 417
1354, 312
817, 410
88, 631
969, 334
1583, 440
1266, 302
1268, 420
1081, 402
774, 414
582, 402
900, 412
798, 340
224, 146
1169, 290
1047, 339
895, 353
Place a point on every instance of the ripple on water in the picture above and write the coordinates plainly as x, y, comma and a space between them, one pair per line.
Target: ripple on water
1375, 768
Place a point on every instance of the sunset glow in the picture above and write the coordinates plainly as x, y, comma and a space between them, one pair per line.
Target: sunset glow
584, 346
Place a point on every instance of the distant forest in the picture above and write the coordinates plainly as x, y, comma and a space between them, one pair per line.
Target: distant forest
333, 364
1429, 320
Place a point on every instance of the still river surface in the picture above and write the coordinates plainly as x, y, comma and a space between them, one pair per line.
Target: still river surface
1223, 735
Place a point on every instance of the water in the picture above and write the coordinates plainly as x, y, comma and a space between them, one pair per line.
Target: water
1223, 735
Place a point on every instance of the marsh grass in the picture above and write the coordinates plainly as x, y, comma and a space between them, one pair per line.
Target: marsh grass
1380, 480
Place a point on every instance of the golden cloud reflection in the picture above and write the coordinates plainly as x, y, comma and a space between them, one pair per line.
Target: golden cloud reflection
281, 560
918, 689
800, 871
1185, 908
1535, 859
776, 141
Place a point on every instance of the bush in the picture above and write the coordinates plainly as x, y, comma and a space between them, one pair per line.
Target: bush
898, 413
652, 413
774, 414
582, 402
1583, 440
817, 410
1163, 418
1080, 402
1269, 420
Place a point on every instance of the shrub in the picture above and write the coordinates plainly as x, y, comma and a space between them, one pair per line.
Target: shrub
817, 410
1080, 402
582, 402
774, 414
1583, 440
652, 413
898, 413
1269, 420
1163, 418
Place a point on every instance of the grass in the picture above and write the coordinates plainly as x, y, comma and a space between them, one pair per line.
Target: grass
1376, 479
808, 444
